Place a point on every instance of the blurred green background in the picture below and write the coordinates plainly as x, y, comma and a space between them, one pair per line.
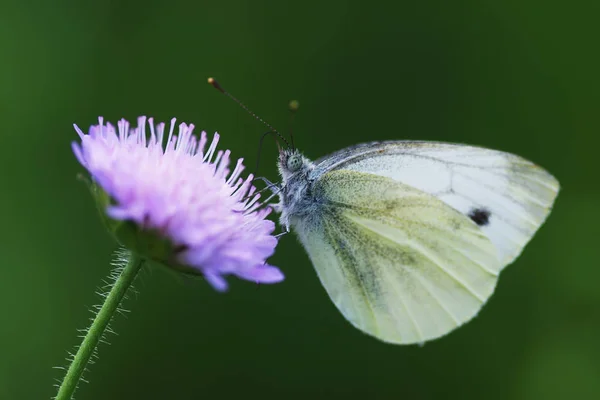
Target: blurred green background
519, 76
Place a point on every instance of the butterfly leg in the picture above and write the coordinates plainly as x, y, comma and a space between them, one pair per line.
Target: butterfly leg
273, 187
281, 234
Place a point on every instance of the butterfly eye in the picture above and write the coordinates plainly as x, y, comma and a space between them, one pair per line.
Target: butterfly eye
294, 163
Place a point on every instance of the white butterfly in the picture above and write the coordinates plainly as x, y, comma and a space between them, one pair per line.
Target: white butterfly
408, 238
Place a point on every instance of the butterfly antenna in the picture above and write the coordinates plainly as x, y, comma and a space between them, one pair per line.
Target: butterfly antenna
293, 106
260, 143
217, 86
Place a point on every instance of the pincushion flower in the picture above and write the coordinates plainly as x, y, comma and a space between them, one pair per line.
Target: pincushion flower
169, 198
183, 193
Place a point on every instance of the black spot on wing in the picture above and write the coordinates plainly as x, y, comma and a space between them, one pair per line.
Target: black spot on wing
480, 216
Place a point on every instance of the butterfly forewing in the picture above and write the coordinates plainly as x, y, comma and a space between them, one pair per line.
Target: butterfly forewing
506, 195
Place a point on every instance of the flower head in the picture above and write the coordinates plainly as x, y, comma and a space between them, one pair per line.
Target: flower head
179, 203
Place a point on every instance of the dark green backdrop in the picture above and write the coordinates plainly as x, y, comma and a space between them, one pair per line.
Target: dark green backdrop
520, 76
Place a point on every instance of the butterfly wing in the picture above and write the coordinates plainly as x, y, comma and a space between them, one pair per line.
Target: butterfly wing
399, 264
509, 197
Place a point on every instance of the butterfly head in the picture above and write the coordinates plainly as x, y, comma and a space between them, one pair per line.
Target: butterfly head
292, 162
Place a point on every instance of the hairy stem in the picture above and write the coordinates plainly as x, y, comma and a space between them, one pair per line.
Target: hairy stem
96, 330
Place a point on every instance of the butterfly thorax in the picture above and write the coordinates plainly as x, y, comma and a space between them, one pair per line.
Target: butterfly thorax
295, 196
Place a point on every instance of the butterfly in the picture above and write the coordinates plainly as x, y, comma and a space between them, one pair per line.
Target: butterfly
409, 237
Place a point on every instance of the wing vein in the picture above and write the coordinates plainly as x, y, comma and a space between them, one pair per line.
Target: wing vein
429, 290
438, 264
363, 289
427, 253
511, 200
408, 312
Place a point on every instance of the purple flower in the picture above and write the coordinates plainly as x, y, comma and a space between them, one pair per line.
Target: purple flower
183, 194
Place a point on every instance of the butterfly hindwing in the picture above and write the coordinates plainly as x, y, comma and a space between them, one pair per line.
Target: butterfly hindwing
398, 263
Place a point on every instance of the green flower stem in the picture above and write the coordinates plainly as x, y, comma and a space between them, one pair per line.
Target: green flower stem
94, 334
